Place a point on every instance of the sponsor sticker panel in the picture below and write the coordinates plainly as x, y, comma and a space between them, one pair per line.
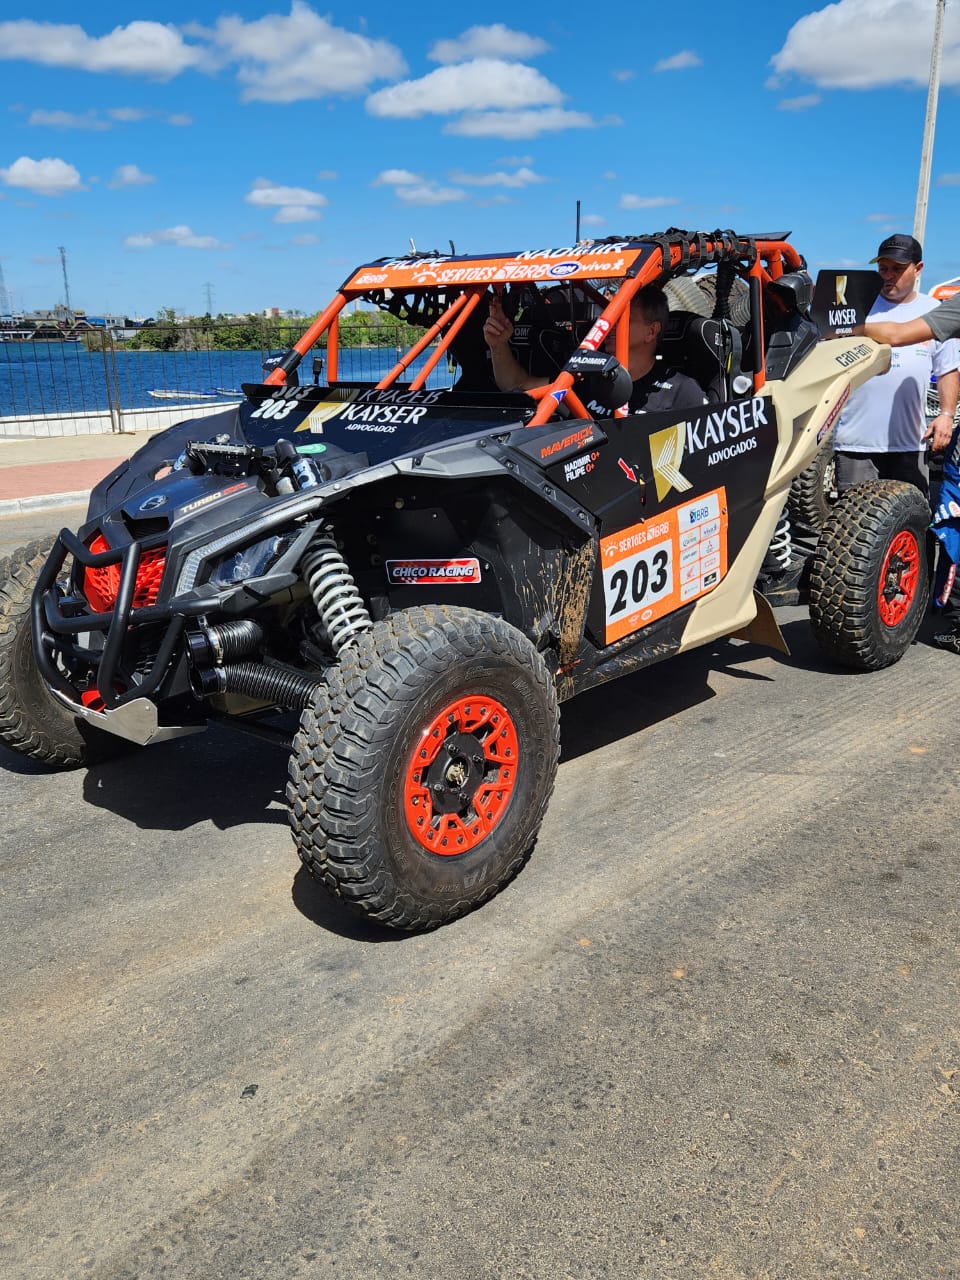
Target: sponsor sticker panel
429, 572
651, 569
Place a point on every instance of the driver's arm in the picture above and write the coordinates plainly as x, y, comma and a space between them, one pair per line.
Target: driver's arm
508, 373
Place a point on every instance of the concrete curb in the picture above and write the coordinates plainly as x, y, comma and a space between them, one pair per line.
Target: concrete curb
44, 502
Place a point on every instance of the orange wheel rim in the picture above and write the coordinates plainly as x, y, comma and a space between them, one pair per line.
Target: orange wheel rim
460, 776
898, 579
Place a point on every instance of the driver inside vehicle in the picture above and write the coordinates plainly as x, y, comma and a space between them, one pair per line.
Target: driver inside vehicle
655, 386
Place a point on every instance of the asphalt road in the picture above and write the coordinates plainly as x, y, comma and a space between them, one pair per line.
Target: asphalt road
711, 1032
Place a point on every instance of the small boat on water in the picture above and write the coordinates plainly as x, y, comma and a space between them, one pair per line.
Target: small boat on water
229, 391
164, 393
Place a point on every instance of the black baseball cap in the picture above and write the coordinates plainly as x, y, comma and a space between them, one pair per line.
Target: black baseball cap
900, 249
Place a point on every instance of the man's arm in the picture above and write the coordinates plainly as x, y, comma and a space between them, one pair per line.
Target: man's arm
940, 429
904, 334
508, 373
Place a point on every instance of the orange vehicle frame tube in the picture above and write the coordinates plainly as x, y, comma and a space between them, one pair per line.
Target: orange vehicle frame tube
277, 377
405, 361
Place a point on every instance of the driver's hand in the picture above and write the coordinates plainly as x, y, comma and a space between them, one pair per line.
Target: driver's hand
497, 328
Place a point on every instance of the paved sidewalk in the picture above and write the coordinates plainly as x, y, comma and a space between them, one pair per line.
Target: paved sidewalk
38, 474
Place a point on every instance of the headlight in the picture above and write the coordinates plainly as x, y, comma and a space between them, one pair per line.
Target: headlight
249, 562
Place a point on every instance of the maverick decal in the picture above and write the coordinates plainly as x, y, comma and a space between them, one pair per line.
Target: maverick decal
666, 454
652, 569
834, 414
432, 573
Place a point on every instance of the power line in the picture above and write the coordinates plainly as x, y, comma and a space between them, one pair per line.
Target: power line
66, 284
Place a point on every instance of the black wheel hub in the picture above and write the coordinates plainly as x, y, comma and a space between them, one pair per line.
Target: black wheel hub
453, 777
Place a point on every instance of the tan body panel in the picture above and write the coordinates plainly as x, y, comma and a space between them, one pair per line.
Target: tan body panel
825, 379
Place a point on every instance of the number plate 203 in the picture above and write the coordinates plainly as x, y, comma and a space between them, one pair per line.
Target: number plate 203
651, 569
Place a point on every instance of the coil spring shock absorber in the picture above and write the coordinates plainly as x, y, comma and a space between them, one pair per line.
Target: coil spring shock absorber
339, 604
780, 551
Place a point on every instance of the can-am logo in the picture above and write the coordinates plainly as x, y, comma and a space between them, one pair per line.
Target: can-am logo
433, 573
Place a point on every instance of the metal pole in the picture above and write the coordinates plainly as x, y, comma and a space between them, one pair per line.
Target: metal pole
926, 154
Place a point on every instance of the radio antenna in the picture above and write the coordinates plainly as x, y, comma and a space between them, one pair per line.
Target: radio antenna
577, 239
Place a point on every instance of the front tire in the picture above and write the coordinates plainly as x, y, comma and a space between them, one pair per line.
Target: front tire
870, 579
420, 776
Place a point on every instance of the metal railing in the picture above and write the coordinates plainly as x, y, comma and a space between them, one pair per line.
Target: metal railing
101, 382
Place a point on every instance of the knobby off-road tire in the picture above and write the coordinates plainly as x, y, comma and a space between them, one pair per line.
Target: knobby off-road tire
870, 579
420, 774
813, 492
32, 721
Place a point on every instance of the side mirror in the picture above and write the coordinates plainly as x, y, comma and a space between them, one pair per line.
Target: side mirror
613, 386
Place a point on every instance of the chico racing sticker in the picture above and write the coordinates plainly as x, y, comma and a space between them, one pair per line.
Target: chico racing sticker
651, 569
433, 573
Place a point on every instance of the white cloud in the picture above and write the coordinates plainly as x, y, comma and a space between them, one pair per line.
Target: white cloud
293, 204
495, 41
307, 237
127, 115
66, 120
395, 178
296, 213
679, 61
624, 75
179, 120
522, 124
150, 49
521, 178
628, 201
287, 59
948, 180
267, 194
46, 177
183, 237
413, 188
861, 44
429, 193
592, 220
803, 103
472, 86
130, 175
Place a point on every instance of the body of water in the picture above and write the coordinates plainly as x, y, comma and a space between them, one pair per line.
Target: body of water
38, 378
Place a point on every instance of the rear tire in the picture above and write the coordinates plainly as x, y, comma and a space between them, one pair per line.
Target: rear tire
814, 492
870, 579
32, 721
420, 775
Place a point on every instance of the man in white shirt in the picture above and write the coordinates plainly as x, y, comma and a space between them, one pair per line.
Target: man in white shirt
882, 432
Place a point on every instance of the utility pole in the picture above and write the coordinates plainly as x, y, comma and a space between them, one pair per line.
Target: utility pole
208, 293
930, 124
66, 284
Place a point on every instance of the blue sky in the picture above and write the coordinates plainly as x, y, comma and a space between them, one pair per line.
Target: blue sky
254, 156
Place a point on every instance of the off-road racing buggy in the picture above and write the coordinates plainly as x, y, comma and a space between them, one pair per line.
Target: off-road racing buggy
424, 573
